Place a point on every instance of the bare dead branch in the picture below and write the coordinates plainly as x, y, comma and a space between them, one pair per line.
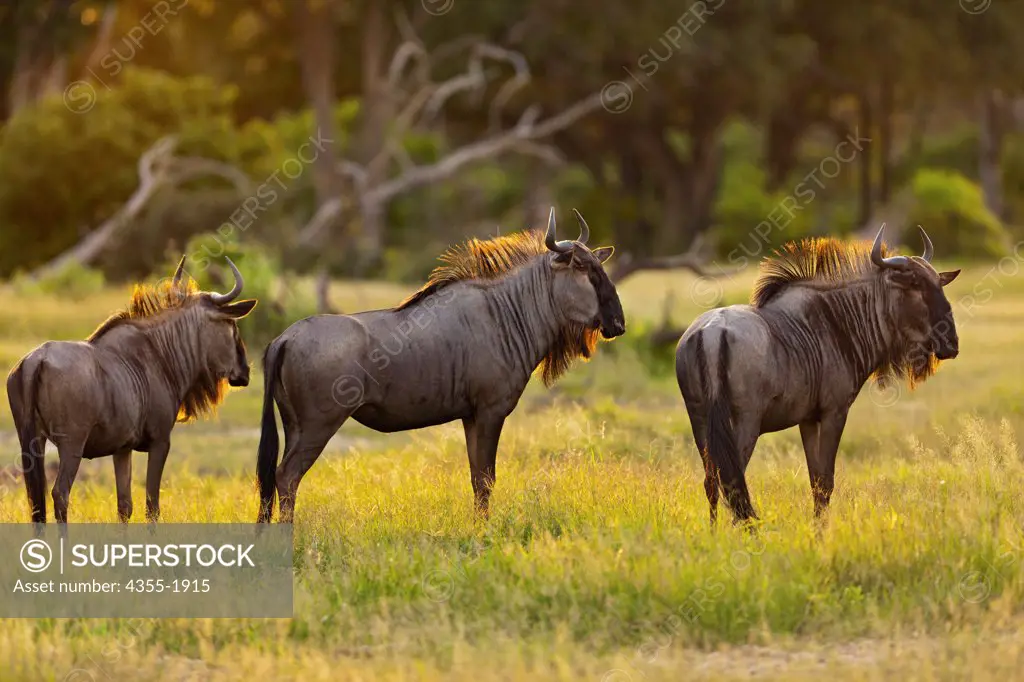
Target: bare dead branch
418, 176
406, 51
473, 79
519, 81
157, 168
691, 260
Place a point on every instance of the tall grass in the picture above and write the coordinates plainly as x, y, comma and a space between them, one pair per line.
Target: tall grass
598, 561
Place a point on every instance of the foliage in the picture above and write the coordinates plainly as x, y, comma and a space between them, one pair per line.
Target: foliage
1013, 179
598, 545
952, 209
64, 170
261, 269
751, 220
74, 281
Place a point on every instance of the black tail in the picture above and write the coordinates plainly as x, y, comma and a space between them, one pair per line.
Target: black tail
266, 462
22, 389
721, 442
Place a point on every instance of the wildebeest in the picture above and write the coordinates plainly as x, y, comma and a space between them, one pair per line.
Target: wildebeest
463, 347
825, 316
164, 359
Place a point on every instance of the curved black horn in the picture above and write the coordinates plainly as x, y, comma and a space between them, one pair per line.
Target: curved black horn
876, 254
549, 238
584, 228
928, 248
177, 273
221, 299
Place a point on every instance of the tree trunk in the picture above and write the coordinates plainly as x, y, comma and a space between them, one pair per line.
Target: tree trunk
885, 134
918, 127
372, 128
315, 38
705, 177
537, 199
990, 144
631, 178
866, 199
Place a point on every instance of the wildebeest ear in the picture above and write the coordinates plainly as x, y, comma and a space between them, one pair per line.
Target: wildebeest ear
603, 253
238, 309
947, 277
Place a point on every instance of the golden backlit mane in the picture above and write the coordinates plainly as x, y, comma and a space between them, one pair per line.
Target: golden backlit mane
830, 260
148, 302
492, 259
815, 259
480, 259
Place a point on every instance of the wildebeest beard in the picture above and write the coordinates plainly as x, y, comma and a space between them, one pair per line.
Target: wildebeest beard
576, 341
912, 361
205, 395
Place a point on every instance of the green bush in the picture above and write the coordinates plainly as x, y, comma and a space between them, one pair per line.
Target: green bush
75, 282
62, 170
1013, 178
952, 209
955, 150
260, 269
748, 219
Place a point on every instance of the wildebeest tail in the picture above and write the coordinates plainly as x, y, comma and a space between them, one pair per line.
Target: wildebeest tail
266, 462
721, 439
22, 389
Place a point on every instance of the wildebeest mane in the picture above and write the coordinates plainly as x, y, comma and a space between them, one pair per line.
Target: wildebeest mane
831, 261
147, 303
492, 259
480, 259
816, 259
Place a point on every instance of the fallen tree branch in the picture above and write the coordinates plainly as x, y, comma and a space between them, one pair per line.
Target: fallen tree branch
627, 265
157, 168
522, 137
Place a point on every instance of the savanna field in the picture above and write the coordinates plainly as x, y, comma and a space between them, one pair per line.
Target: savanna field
597, 562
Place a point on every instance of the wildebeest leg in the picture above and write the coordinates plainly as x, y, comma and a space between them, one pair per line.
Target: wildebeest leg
302, 452
154, 473
699, 426
482, 435
821, 443
748, 430
70, 458
123, 477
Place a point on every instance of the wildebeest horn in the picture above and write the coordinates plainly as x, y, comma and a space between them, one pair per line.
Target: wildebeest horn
876, 254
549, 238
584, 229
177, 273
221, 299
928, 248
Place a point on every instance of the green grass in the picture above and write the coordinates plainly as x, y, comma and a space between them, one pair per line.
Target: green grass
597, 562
